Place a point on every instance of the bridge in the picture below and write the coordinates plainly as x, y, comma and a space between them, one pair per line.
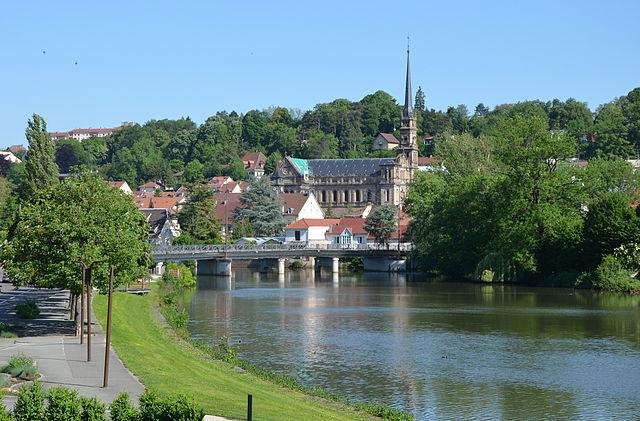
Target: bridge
215, 259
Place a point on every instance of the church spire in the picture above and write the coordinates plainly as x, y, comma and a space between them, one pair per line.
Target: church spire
408, 105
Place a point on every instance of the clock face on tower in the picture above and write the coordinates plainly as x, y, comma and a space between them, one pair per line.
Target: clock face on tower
284, 171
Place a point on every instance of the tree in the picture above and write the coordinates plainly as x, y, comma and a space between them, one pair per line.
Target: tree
40, 163
84, 220
193, 172
272, 162
420, 103
381, 223
198, 216
611, 134
261, 208
481, 111
235, 169
320, 145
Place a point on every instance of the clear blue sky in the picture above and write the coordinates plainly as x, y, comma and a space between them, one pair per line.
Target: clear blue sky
165, 59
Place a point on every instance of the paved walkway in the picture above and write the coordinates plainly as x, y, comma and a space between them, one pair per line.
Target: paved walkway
60, 357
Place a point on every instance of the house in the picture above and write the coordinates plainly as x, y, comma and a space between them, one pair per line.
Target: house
429, 163
385, 142
18, 150
226, 204
150, 187
348, 232
163, 228
254, 163
83, 134
7, 160
167, 200
297, 206
311, 231
122, 185
216, 183
234, 187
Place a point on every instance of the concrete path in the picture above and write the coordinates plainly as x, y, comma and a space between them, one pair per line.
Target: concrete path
61, 359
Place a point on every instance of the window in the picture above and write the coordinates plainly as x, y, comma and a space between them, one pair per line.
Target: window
324, 195
346, 195
335, 195
359, 240
357, 195
297, 235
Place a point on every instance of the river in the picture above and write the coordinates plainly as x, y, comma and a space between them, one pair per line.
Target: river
438, 350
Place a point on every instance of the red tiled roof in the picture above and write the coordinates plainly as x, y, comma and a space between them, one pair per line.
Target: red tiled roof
151, 184
168, 200
427, 160
225, 213
294, 201
309, 222
389, 138
254, 160
355, 225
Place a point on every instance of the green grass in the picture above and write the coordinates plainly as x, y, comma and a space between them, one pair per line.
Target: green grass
163, 363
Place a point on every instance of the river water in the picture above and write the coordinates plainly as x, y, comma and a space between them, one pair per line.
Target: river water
438, 350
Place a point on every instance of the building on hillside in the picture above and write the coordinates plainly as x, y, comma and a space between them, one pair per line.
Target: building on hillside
297, 206
356, 182
84, 134
7, 160
167, 200
122, 185
18, 150
216, 183
163, 227
150, 187
385, 142
254, 163
234, 187
429, 163
310, 231
226, 204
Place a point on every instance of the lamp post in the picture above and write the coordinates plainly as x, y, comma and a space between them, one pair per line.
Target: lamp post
226, 227
107, 345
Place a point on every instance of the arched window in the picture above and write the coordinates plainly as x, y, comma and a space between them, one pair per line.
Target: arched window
335, 196
346, 195
357, 195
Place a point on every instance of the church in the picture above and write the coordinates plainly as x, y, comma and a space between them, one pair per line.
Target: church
357, 182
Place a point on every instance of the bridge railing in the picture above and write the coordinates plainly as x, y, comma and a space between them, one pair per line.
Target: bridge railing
234, 248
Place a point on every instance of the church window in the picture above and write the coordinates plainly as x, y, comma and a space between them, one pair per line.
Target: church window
335, 196
346, 196
324, 195
357, 195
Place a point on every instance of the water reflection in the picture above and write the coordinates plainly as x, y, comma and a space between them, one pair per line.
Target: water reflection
440, 350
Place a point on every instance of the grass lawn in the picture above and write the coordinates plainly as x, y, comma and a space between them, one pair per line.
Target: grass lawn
168, 366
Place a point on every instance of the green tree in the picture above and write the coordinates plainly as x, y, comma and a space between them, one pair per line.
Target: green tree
320, 145
235, 169
198, 216
420, 103
272, 162
261, 208
611, 133
40, 163
194, 172
82, 221
381, 223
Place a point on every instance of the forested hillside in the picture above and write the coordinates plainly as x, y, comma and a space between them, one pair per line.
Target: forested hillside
158, 149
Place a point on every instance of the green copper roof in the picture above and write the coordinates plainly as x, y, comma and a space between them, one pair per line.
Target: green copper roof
302, 165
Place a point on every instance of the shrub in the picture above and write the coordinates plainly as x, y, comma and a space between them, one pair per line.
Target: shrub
64, 405
122, 410
609, 275
296, 264
27, 310
4, 414
5, 331
30, 404
21, 366
179, 276
178, 407
92, 410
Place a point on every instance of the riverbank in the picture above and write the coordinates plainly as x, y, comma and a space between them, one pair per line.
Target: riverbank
164, 363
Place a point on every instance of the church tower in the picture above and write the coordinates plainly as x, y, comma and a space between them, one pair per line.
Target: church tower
408, 128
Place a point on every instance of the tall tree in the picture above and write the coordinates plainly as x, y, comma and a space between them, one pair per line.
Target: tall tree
420, 103
198, 217
272, 162
261, 208
40, 164
381, 223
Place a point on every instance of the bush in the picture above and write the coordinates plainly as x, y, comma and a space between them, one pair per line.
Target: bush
179, 407
5, 331
609, 275
30, 404
4, 414
296, 264
92, 410
122, 410
64, 405
27, 310
21, 366
179, 276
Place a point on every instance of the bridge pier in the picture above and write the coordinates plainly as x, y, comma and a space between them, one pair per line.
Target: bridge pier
335, 265
281, 262
311, 262
218, 267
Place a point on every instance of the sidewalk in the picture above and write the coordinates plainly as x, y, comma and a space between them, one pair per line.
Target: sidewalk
63, 361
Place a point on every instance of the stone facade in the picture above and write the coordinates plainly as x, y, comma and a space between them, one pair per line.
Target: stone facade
357, 182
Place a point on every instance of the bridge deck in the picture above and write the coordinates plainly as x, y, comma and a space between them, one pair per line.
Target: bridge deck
274, 251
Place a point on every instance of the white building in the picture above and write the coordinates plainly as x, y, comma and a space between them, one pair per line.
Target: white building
311, 231
385, 142
296, 206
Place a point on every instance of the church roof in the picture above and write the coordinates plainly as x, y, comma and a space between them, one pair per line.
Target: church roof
340, 167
